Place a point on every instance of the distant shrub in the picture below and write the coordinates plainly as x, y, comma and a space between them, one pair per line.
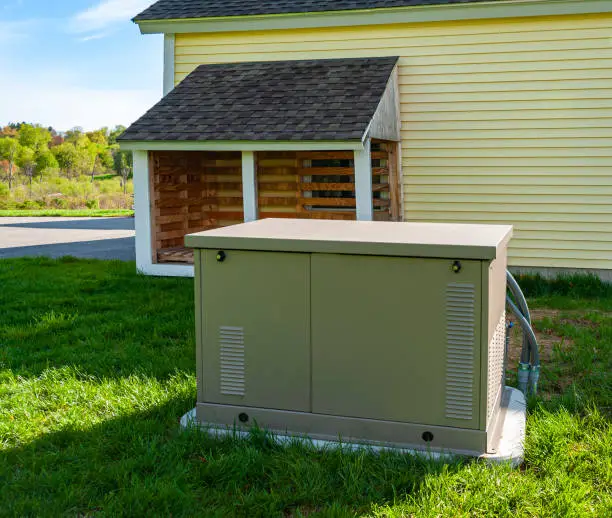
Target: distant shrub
58, 192
4, 190
60, 203
7, 205
28, 205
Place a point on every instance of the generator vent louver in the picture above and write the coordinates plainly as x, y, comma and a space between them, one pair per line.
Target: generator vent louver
232, 361
460, 336
497, 352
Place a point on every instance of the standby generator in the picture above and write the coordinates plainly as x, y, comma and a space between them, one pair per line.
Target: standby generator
369, 332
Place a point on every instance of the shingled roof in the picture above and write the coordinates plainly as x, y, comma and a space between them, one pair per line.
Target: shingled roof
181, 9
319, 100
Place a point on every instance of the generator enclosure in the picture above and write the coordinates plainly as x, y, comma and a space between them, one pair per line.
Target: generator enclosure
376, 332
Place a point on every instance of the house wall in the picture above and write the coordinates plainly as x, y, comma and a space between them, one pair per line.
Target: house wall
503, 121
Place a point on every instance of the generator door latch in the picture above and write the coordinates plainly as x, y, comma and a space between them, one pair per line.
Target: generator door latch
457, 266
221, 256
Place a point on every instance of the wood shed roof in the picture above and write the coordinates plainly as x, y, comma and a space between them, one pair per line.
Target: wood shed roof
185, 9
317, 100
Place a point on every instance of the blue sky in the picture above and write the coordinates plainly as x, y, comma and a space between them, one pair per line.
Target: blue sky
71, 63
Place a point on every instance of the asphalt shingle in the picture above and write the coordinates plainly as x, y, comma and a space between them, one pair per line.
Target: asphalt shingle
181, 9
319, 100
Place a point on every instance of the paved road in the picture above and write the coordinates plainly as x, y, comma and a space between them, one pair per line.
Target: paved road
88, 238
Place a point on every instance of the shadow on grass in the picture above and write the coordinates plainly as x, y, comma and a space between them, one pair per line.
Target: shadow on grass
142, 464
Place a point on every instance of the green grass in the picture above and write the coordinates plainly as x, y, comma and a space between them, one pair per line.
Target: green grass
97, 366
76, 213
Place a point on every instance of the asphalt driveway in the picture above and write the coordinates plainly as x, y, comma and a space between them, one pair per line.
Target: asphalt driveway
87, 238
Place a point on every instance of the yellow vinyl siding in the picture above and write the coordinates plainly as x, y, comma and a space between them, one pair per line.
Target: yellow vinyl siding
503, 121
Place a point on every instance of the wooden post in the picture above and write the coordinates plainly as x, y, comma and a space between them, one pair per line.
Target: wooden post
249, 186
395, 181
363, 183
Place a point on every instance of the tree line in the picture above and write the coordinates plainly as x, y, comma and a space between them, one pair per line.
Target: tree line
34, 151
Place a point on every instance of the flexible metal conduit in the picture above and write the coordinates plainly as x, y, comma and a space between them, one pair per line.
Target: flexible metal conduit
529, 366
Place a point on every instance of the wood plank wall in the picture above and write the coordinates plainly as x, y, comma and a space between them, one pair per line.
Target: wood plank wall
196, 191
192, 192
321, 184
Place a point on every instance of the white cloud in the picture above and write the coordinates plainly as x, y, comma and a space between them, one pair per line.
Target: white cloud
95, 36
52, 102
107, 13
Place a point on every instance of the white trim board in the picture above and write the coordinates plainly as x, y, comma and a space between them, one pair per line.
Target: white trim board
169, 60
241, 145
386, 123
363, 183
348, 18
249, 186
142, 211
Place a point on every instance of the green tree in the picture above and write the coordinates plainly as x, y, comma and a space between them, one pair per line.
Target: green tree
94, 153
73, 135
124, 166
67, 157
26, 160
45, 162
99, 136
107, 160
114, 134
9, 151
34, 137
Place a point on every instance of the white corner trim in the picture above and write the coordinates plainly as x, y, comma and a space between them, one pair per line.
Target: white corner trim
169, 59
142, 207
249, 186
363, 183
383, 16
241, 145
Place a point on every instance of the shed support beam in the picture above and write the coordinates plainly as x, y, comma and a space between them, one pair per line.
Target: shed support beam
363, 183
249, 186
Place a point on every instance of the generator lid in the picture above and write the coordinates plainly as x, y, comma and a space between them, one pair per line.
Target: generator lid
435, 240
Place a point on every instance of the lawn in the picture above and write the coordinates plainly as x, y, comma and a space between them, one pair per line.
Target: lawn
68, 213
97, 366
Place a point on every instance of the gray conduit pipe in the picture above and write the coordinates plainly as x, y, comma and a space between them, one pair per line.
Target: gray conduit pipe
529, 367
515, 289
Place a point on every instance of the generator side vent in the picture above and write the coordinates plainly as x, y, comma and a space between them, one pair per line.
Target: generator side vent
460, 336
232, 364
497, 352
